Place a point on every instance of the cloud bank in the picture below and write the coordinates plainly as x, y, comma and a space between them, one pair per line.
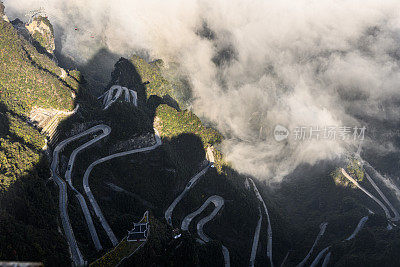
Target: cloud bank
255, 64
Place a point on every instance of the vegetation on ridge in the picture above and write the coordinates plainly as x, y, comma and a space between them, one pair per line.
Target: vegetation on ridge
28, 78
28, 203
353, 168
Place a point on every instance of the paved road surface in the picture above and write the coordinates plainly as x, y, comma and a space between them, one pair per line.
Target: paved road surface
317, 259
218, 203
89, 193
69, 234
320, 234
63, 198
109, 99
216, 200
284, 260
227, 260
385, 209
363, 162
192, 182
319, 256
396, 216
363, 220
269, 230
326, 260
387, 181
105, 131
255, 239
360, 225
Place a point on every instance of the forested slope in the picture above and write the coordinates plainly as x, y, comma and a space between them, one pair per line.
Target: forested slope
28, 202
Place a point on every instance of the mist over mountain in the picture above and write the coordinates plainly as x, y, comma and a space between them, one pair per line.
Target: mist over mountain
200, 133
254, 65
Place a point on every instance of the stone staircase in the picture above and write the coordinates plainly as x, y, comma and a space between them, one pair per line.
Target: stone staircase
47, 120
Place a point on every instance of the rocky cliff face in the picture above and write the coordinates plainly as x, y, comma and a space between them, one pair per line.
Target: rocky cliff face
1, 9
2, 14
42, 31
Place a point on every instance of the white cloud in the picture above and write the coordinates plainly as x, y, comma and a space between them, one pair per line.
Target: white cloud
295, 63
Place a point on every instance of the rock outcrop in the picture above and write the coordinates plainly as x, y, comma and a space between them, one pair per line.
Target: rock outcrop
42, 31
1, 9
2, 14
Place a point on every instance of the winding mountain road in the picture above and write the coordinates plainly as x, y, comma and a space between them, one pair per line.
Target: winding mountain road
317, 259
227, 260
360, 225
216, 200
363, 220
105, 131
385, 209
109, 99
396, 214
320, 234
191, 183
326, 260
89, 193
269, 230
319, 256
63, 198
218, 203
255, 239
69, 234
